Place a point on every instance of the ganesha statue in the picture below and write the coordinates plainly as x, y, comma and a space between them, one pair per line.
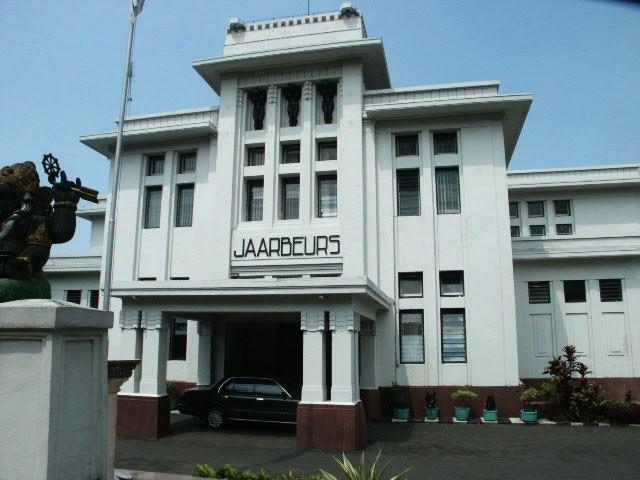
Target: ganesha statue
32, 218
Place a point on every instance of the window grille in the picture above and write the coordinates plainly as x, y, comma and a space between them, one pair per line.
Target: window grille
539, 292
448, 190
411, 336
408, 192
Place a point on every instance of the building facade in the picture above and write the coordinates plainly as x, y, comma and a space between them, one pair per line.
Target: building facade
328, 230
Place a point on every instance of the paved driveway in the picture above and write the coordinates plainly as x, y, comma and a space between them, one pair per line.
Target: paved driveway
433, 451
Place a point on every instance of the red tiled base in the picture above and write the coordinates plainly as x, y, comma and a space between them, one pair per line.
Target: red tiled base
146, 418
331, 428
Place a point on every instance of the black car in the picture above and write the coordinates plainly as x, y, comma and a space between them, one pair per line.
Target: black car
239, 398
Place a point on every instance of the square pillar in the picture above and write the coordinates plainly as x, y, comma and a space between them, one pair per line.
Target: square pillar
345, 378
131, 347
145, 414
199, 353
313, 357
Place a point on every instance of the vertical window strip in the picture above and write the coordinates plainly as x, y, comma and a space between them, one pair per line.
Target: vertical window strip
408, 192
327, 196
454, 341
152, 207
184, 210
187, 163
411, 336
448, 190
94, 298
290, 198
255, 194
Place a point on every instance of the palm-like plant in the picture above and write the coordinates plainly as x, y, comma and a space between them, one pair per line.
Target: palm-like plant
362, 471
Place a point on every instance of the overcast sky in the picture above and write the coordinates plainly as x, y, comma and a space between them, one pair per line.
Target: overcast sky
61, 66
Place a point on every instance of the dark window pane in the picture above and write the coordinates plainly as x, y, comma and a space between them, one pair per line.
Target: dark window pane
155, 165
187, 163
537, 230
408, 192
327, 196
73, 296
411, 336
515, 231
94, 299
611, 290
539, 292
410, 284
243, 388
574, 291
564, 229
178, 340
255, 156
535, 209
327, 151
255, 192
406, 145
152, 207
445, 142
291, 153
448, 190
454, 342
184, 210
562, 207
290, 206
452, 283
268, 389
514, 211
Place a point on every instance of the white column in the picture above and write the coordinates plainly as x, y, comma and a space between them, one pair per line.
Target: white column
131, 347
345, 382
199, 352
313, 357
154, 354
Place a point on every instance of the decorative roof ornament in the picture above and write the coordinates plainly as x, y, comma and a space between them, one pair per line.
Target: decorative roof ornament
348, 9
236, 25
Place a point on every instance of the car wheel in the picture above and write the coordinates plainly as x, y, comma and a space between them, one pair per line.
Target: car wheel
215, 418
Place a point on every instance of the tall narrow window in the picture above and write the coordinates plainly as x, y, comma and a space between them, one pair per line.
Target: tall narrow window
327, 151
184, 206
451, 283
454, 341
155, 165
255, 156
178, 340
290, 190
291, 153
514, 211
187, 162
327, 196
411, 336
539, 292
94, 298
448, 190
535, 209
406, 145
574, 291
410, 284
255, 192
562, 208
152, 207
408, 192
445, 142
73, 296
610, 290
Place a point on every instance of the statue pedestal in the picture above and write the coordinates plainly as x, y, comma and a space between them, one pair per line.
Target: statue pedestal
53, 390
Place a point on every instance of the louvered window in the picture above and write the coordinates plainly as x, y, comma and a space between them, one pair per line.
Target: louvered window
290, 207
408, 192
445, 142
187, 163
152, 207
73, 296
255, 156
611, 290
94, 298
454, 341
451, 283
410, 284
411, 336
539, 292
448, 190
406, 145
255, 193
184, 208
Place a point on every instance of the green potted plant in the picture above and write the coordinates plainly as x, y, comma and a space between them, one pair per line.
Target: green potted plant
462, 397
432, 410
401, 410
529, 414
174, 392
490, 413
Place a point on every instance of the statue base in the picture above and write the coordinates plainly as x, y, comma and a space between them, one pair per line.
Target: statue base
12, 289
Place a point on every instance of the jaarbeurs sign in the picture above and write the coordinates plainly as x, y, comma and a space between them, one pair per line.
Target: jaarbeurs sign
297, 246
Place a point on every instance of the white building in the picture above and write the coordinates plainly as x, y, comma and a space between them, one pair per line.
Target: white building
341, 235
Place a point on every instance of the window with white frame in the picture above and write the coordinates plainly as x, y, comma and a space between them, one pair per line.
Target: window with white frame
514, 210
327, 151
537, 230
408, 181
187, 162
327, 195
155, 165
445, 143
184, 205
562, 208
451, 283
254, 199
454, 335
406, 145
410, 284
539, 292
152, 202
447, 190
290, 198
411, 336
255, 156
535, 209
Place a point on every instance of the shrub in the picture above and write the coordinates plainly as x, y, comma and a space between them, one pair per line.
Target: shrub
399, 395
230, 472
529, 396
361, 471
464, 396
490, 403
431, 399
172, 389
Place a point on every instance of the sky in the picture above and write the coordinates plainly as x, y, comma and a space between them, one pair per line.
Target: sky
62, 61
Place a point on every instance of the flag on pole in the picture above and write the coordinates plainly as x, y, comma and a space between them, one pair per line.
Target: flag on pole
137, 6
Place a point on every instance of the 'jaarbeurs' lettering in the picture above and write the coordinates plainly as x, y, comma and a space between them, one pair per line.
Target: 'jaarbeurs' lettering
325, 245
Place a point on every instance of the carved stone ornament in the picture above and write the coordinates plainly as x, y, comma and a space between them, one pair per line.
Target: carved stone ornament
327, 91
258, 97
292, 94
307, 91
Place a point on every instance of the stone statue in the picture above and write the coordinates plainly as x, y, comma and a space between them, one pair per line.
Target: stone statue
29, 224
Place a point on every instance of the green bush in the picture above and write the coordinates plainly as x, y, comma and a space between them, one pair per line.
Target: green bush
362, 471
529, 396
230, 472
464, 396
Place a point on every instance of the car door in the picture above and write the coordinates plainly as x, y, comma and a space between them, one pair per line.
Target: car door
273, 403
239, 399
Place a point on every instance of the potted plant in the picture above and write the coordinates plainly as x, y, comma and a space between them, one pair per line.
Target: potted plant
401, 409
432, 410
529, 414
174, 392
490, 413
462, 398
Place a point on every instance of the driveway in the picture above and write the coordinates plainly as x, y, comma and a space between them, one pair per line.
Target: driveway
433, 451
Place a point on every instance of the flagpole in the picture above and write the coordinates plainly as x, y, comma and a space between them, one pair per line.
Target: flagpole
136, 8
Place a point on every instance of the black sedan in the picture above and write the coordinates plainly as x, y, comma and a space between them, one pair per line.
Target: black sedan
239, 398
